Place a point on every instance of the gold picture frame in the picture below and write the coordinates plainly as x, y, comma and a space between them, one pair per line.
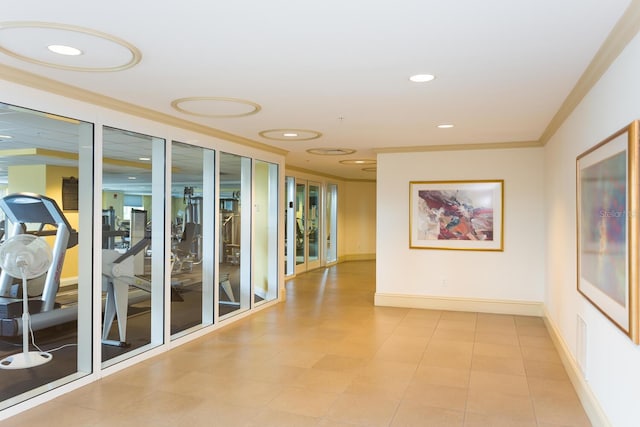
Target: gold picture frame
607, 208
456, 215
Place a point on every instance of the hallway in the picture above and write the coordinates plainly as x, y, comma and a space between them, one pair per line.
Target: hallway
328, 357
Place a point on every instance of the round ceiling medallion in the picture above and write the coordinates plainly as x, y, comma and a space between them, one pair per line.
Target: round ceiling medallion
331, 151
216, 106
290, 134
28, 41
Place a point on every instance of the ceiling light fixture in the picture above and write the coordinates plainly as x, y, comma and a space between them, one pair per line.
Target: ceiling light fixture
290, 134
5, 137
445, 126
27, 34
144, 159
61, 49
132, 177
422, 78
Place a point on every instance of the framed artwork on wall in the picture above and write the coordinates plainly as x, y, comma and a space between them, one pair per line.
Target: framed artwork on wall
607, 208
457, 215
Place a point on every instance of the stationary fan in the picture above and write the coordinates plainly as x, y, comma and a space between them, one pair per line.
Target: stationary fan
25, 256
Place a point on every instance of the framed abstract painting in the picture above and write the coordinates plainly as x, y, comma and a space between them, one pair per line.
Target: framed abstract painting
457, 215
607, 227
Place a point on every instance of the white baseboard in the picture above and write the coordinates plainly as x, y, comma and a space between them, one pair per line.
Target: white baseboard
522, 308
589, 401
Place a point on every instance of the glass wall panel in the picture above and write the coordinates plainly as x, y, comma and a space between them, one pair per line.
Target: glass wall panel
235, 234
191, 237
45, 184
265, 225
301, 206
331, 228
308, 226
313, 223
290, 236
132, 262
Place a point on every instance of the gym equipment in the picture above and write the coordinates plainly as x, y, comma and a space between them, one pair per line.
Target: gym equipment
26, 256
121, 271
187, 250
24, 210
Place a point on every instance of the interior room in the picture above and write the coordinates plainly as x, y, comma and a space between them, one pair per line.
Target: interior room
301, 177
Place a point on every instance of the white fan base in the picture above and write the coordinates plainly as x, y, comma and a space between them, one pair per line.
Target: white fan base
25, 360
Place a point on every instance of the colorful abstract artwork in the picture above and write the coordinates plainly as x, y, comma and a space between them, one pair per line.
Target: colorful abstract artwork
607, 210
603, 229
456, 215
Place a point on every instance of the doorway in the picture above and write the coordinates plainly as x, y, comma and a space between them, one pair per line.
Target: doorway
307, 225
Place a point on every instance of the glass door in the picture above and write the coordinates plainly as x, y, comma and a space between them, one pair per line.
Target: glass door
313, 226
290, 229
300, 226
265, 232
234, 265
191, 237
46, 188
307, 226
132, 243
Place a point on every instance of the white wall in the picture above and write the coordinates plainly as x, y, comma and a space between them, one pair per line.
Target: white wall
516, 274
612, 361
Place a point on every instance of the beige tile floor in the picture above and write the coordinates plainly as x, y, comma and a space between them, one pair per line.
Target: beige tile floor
328, 357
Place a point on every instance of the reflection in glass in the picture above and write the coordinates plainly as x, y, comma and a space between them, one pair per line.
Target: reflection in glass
50, 158
301, 199
290, 227
191, 195
235, 237
313, 222
265, 224
131, 269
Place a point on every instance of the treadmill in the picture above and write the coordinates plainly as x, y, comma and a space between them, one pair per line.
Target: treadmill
23, 210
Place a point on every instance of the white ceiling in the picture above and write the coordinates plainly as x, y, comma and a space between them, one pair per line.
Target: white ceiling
503, 68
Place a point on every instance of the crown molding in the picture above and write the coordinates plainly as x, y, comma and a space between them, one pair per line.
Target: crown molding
325, 175
52, 86
623, 32
459, 147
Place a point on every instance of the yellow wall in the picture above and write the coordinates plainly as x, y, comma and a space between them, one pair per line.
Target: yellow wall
29, 179
47, 181
113, 199
261, 227
357, 204
356, 218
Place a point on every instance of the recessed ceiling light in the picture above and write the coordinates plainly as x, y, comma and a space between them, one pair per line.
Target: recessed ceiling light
290, 134
5, 137
61, 49
26, 34
445, 126
132, 177
422, 78
144, 159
